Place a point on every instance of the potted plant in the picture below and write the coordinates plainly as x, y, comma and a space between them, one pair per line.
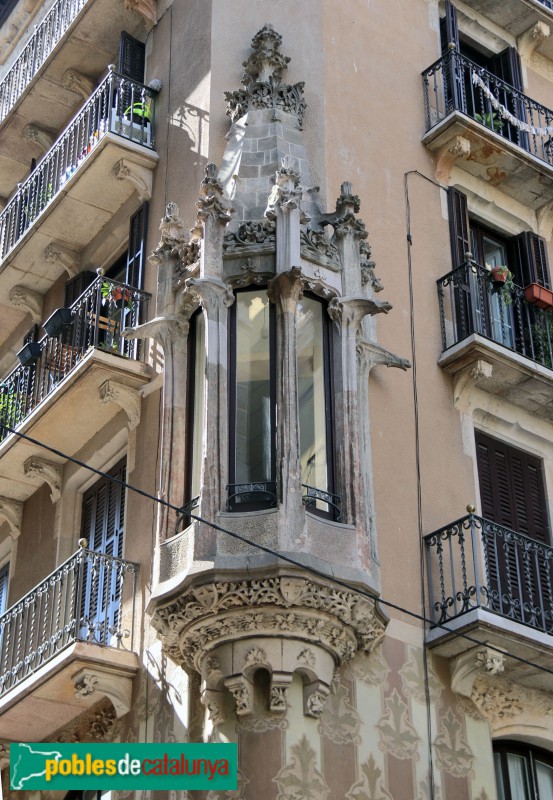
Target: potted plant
115, 293
29, 354
491, 121
502, 280
61, 318
539, 296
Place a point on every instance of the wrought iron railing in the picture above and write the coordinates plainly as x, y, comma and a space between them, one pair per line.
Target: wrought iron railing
243, 495
98, 318
119, 106
89, 598
36, 51
449, 85
471, 303
547, 3
313, 498
474, 563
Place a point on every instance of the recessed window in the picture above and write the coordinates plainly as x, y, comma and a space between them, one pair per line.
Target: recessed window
522, 772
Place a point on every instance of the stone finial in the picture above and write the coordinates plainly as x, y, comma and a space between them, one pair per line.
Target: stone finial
210, 203
174, 236
344, 219
262, 81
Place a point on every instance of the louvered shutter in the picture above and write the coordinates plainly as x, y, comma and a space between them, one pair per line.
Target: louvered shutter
532, 261
103, 525
449, 29
4, 576
459, 230
137, 247
77, 285
507, 66
132, 57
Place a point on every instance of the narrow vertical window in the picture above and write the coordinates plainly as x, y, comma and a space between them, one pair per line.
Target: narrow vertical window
252, 401
314, 407
196, 402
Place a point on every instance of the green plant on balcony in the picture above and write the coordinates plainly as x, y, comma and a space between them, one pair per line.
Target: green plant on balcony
542, 338
12, 407
502, 282
115, 294
491, 120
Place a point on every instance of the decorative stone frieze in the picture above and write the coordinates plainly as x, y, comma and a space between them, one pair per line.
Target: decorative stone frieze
63, 258
125, 397
41, 137
27, 300
259, 236
316, 246
12, 512
45, 471
78, 82
262, 81
227, 630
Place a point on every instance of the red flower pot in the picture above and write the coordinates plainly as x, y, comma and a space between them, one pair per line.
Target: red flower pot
118, 293
499, 274
539, 295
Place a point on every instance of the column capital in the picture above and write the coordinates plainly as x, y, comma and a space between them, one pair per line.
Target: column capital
213, 294
286, 290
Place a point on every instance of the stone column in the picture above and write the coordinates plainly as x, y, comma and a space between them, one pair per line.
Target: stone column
285, 290
284, 207
215, 297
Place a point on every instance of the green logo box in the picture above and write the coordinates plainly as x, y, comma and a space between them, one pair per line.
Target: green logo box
123, 766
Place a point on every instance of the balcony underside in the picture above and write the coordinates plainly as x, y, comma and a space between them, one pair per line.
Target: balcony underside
78, 212
505, 634
516, 16
493, 159
480, 363
47, 700
87, 47
71, 415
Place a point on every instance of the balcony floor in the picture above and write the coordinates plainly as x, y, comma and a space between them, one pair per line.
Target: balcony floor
495, 160
78, 212
67, 418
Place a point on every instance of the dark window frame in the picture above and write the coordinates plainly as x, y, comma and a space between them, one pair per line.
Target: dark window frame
530, 753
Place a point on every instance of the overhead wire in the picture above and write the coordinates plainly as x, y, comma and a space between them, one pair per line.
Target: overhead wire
187, 512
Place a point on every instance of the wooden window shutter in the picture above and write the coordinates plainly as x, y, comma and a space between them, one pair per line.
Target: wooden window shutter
533, 264
507, 66
136, 252
4, 576
104, 512
459, 229
449, 30
77, 285
132, 57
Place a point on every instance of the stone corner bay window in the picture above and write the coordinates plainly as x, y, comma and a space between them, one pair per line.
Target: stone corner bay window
252, 402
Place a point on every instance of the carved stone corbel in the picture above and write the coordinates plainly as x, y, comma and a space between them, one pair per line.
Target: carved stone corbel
12, 511
63, 258
472, 664
528, 41
117, 688
139, 177
448, 155
468, 377
27, 300
78, 82
376, 355
278, 696
41, 137
242, 691
214, 701
146, 9
45, 472
124, 396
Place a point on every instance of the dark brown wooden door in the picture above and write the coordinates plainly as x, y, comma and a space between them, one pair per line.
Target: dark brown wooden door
512, 494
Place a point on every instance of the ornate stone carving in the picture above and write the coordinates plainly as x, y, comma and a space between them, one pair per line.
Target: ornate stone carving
375, 356
62, 258
448, 155
214, 703
41, 137
139, 177
262, 81
117, 688
78, 82
174, 236
242, 692
146, 8
316, 246
350, 311
45, 472
286, 193
210, 203
189, 263
258, 236
12, 512
279, 699
124, 396
367, 268
465, 379
248, 275
85, 686
286, 290
27, 300
344, 220
492, 661
528, 41
474, 662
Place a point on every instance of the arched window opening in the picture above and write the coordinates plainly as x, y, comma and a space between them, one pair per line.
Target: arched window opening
523, 772
252, 402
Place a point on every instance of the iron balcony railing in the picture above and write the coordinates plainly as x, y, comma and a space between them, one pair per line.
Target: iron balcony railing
119, 106
98, 318
471, 303
36, 51
547, 3
89, 598
455, 83
313, 497
474, 563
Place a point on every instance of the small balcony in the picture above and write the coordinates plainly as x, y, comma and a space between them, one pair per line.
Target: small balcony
45, 85
86, 365
481, 322
495, 585
67, 644
104, 156
488, 128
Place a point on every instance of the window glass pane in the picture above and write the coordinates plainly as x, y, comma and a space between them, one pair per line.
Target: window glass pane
198, 416
311, 396
498, 776
544, 775
253, 443
518, 777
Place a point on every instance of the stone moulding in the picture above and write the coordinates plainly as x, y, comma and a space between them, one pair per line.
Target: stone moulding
256, 236
286, 624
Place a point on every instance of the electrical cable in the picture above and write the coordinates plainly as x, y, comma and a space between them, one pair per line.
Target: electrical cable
186, 511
